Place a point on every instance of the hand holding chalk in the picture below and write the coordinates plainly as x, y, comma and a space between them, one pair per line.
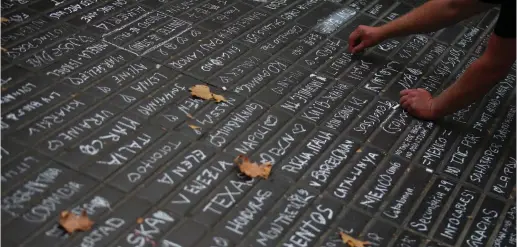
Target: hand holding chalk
363, 37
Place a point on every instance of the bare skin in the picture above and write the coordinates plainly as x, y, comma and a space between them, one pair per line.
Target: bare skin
475, 82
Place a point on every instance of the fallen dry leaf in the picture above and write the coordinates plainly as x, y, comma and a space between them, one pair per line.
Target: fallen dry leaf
218, 98
194, 127
190, 116
71, 222
352, 242
252, 169
3, 49
3, 19
203, 92
140, 220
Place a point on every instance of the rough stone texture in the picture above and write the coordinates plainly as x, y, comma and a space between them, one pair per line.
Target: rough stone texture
96, 113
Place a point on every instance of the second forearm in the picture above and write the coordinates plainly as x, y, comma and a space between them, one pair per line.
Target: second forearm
431, 16
475, 82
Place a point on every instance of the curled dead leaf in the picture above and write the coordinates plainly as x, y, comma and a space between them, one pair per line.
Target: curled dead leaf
71, 222
3, 49
140, 220
252, 169
352, 242
3, 19
203, 92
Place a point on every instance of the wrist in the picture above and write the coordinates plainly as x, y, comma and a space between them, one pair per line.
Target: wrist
437, 108
384, 32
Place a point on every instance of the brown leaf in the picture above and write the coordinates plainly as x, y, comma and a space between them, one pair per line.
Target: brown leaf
71, 222
3, 49
190, 116
3, 19
252, 169
140, 220
194, 127
352, 242
218, 98
201, 91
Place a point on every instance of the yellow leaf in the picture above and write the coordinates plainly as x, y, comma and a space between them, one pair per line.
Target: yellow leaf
194, 127
201, 91
252, 169
218, 98
352, 242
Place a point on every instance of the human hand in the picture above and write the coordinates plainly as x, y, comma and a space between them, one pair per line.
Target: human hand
419, 103
363, 37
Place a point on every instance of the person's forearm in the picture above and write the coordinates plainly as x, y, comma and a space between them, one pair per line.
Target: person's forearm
475, 82
431, 16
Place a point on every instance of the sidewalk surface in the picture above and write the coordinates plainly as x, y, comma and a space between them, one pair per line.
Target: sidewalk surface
97, 115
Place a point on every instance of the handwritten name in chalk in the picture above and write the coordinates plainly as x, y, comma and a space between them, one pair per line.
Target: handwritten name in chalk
122, 127
79, 129
71, 9
148, 162
42, 39
382, 77
183, 168
436, 150
431, 206
74, 62
47, 207
258, 135
16, 201
267, 72
42, 102
482, 228
394, 211
314, 147
150, 229
199, 185
56, 117
104, 66
103, 231
283, 143
227, 198
295, 204
154, 104
321, 175
238, 120
461, 154
460, 210
309, 229
382, 186
63, 48
356, 174
249, 213
484, 164
502, 183
120, 19
303, 95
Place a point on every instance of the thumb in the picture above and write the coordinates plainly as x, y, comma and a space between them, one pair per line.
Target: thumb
358, 48
354, 37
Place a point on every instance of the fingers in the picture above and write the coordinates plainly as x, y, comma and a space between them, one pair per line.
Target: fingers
353, 38
405, 101
358, 48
